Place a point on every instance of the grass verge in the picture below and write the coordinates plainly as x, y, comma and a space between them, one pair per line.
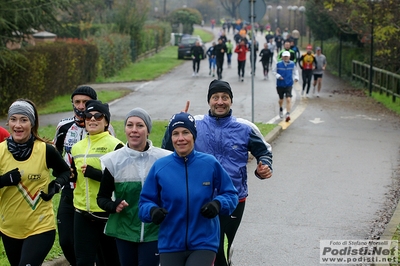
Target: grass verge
154, 66
387, 102
63, 103
396, 236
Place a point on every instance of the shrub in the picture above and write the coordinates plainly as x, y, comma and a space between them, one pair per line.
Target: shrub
114, 53
46, 70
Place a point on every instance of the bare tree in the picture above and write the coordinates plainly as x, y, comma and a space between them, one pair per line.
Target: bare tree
231, 6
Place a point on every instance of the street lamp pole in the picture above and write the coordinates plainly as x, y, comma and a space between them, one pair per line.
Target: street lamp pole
278, 10
302, 9
294, 8
269, 7
372, 49
290, 16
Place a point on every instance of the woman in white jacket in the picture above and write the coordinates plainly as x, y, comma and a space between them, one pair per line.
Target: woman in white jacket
124, 173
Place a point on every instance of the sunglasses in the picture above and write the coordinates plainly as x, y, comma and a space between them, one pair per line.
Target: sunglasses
97, 116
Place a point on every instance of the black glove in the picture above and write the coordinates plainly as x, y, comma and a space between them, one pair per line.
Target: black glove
210, 209
10, 178
93, 173
158, 214
54, 188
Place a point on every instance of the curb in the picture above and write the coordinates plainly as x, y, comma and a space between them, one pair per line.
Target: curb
273, 134
391, 227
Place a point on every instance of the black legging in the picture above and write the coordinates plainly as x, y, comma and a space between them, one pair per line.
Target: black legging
265, 65
138, 253
271, 58
306, 74
65, 220
241, 65
196, 65
90, 241
29, 251
220, 63
192, 258
229, 225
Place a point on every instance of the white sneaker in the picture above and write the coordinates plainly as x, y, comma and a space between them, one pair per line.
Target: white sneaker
287, 117
302, 93
317, 94
281, 114
194, 74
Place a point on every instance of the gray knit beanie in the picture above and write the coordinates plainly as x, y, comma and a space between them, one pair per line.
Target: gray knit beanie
141, 113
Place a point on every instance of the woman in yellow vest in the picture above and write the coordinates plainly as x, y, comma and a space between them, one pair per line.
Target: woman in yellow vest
27, 221
90, 219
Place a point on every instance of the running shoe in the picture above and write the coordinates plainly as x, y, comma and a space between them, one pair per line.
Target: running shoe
287, 117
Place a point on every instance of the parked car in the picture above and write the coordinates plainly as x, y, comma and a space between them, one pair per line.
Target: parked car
186, 43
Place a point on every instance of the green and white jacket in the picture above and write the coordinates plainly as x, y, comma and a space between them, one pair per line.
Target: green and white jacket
124, 173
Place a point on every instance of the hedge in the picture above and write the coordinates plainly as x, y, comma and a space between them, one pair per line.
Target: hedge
46, 70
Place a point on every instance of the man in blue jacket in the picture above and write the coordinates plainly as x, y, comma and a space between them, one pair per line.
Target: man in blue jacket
285, 73
230, 139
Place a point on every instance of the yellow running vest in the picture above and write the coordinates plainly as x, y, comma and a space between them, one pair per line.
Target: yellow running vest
22, 212
88, 151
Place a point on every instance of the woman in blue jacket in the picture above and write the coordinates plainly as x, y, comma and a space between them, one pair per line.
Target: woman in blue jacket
184, 193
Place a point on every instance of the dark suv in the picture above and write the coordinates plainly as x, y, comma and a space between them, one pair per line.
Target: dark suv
186, 43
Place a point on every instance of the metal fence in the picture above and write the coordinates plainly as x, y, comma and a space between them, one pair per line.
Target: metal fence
382, 81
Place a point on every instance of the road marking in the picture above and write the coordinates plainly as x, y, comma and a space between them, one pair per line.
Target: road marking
317, 120
360, 116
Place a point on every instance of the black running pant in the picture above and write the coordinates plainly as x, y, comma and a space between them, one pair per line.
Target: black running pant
91, 240
265, 65
188, 258
229, 225
65, 223
29, 251
138, 254
196, 65
241, 65
306, 74
220, 63
271, 57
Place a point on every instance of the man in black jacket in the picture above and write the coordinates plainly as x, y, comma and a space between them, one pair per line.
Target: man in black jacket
197, 53
219, 52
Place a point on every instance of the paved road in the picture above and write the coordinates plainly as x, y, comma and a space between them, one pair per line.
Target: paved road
330, 180
333, 165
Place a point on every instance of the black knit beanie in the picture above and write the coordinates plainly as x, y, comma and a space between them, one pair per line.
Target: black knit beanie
219, 86
94, 105
85, 90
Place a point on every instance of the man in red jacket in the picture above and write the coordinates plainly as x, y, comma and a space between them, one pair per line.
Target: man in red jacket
241, 49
